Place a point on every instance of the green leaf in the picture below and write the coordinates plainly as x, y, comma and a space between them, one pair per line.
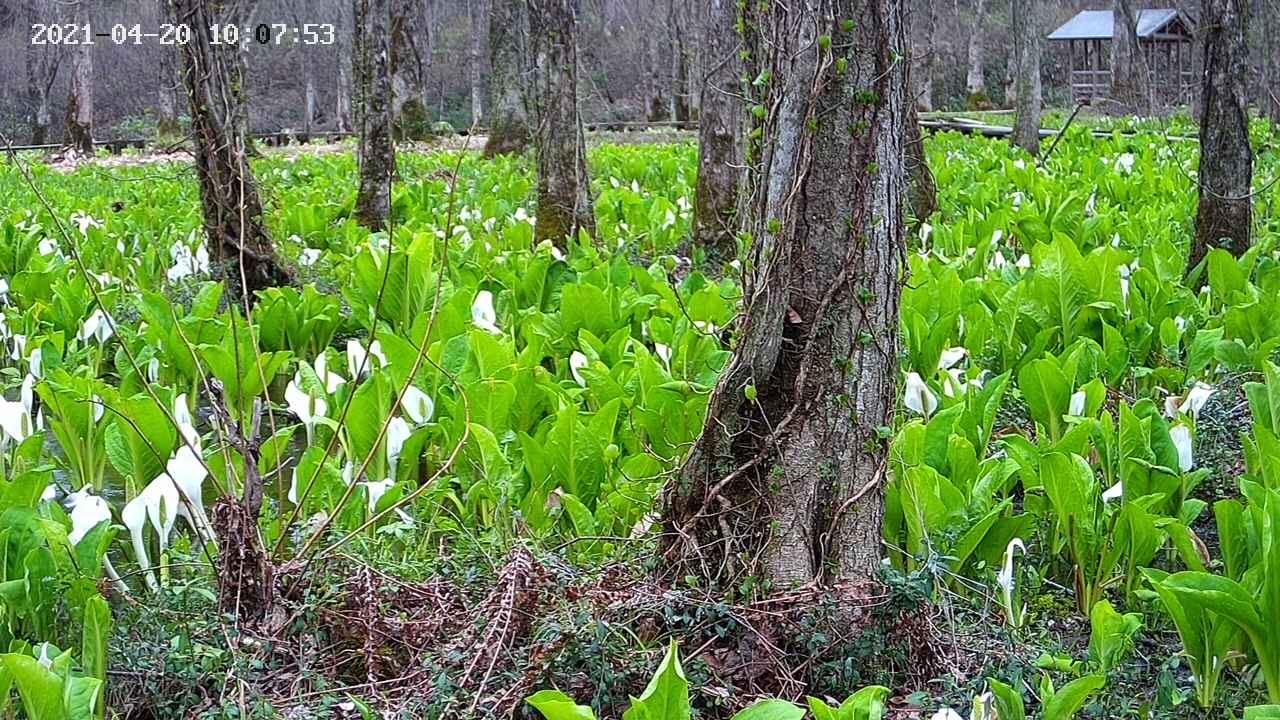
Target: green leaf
1066, 702
555, 705
771, 710
667, 695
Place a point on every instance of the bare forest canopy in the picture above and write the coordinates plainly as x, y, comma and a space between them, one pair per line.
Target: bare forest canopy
642, 60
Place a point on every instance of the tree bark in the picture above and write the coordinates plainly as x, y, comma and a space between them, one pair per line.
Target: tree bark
785, 483
42, 63
408, 103
508, 77
78, 136
564, 185
377, 151
1026, 60
214, 81
679, 63
922, 191
475, 11
167, 99
975, 83
1224, 214
1130, 84
924, 59
719, 159
1270, 101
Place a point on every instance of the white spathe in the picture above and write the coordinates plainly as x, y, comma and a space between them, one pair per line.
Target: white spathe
950, 357
577, 361
375, 491
97, 327
1180, 434
306, 408
417, 405
360, 361
331, 380
1008, 581
87, 512
482, 313
918, 397
1115, 492
1076, 405
398, 432
156, 505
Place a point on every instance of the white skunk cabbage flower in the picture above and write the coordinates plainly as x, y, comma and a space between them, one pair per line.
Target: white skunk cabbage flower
398, 432
35, 362
1180, 434
417, 405
482, 313
577, 361
87, 512
331, 380
1008, 583
1023, 262
918, 397
664, 352
375, 491
1077, 403
186, 262
1124, 163
96, 327
1191, 403
15, 415
950, 357
946, 714
358, 357
187, 471
309, 256
1115, 492
84, 221
156, 505
306, 408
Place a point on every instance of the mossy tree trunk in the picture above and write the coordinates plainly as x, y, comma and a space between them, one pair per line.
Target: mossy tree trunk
564, 185
1026, 74
214, 80
975, 83
407, 70
41, 63
167, 84
509, 75
719, 130
1224, 213
786, 481
78, 136
377, 150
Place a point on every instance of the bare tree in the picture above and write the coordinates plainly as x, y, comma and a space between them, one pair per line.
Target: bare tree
719, 159
1130, 83
786, 480
1026, 62
374, 89
975, 83
1224, 214
214, 80
564, 185
475, 11
407, 69
342, 114
679, 62
508, 77
923, 58
78, 136
1270, 101
42, 63
167, 84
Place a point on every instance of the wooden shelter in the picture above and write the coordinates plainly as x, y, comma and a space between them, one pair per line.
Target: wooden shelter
1164, 36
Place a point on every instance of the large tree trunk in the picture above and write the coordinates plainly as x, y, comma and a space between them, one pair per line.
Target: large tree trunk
923, 58
719, 160
1270, 101
1026, 73
975, 83
408, 103
233, 221
167, 83
377, 151
679, 63
785, 482
1224, 213
1130, 84
655, 109
42, 69
475, 11
922, 191
508, 77
564, 185
78, 136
